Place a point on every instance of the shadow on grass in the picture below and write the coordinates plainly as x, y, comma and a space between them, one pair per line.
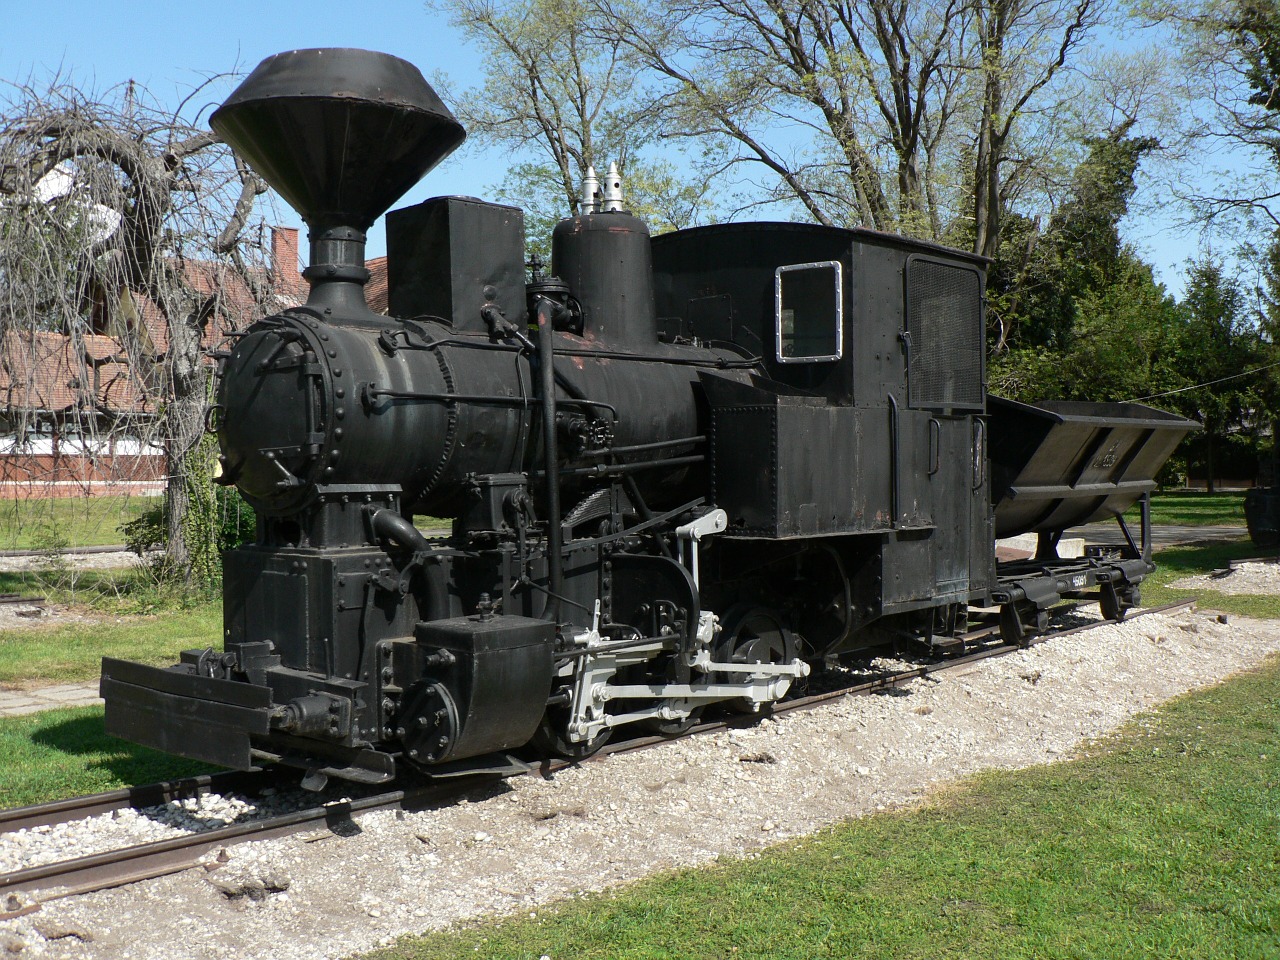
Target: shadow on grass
1203, 555
125, 762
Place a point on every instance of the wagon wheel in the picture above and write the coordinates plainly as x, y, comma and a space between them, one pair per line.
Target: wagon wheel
1014, 628
754, 635
1113, 604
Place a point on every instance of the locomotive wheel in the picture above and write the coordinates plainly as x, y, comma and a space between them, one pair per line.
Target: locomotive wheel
754, 635
672, 728
549, 739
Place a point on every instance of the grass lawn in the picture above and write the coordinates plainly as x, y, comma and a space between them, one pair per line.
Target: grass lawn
1194, 508
1174, 563
1160, 843
67, 522
71, 652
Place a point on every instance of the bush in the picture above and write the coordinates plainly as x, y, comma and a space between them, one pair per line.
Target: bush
237, 524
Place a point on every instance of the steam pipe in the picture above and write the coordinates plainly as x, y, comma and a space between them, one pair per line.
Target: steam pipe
392, 526
545, 313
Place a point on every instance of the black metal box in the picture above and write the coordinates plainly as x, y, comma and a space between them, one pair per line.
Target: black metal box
501, 678
444, 252
786, 464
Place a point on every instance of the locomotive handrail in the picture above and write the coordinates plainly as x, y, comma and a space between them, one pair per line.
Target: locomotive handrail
646, 447
895, 493
979, 455
606, 469
370, 393
468, 343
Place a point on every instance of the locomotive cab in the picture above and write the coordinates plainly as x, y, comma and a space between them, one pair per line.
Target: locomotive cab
865, 441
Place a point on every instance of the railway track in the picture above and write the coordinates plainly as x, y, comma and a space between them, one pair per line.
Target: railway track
6, 598
147, 860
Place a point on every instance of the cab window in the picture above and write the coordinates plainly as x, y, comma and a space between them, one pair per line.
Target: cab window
809, 312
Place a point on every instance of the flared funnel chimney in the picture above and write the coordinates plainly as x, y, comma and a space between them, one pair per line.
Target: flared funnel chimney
341, 134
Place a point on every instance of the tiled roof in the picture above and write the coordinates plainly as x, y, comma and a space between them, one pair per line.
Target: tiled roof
50, 372
57, 373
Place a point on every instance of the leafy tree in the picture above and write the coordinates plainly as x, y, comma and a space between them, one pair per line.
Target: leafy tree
1041, 277
552, 91
1124, 344
901, 115
1219, 343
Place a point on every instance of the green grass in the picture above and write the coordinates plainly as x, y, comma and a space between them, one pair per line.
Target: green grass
1164, 844
69, 522
72, 652
1192, 508
65, 753
1174, 563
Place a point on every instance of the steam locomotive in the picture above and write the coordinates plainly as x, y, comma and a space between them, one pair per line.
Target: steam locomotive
682, 471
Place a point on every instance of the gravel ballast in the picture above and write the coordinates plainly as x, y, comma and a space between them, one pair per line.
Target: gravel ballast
532, 841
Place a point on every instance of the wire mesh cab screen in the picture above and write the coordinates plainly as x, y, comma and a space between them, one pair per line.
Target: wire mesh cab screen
809, 312
944, 324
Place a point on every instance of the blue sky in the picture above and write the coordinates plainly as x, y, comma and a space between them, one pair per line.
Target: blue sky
169, 51
100, 44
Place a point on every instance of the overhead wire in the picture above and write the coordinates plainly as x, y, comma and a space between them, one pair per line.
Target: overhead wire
1207, 383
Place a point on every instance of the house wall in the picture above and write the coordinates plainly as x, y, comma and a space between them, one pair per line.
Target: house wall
28, 475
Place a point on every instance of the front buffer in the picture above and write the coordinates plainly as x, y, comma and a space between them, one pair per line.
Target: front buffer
458, 689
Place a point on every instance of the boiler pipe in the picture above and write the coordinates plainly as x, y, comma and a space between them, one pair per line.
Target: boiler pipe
545, 313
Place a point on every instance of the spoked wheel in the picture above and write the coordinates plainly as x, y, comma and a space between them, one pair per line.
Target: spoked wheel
550, 739
754, 635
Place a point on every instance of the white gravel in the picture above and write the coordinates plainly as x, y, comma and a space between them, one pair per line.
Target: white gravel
604, 823
1251, 577
82, 838
76, 561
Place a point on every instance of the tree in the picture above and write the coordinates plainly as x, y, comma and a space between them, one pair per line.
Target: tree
1126, 335
901, 115
113, 207
1041, 276
1218, 344
555, 94
1231, 55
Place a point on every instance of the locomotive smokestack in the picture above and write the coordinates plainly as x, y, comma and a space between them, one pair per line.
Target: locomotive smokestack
341, 134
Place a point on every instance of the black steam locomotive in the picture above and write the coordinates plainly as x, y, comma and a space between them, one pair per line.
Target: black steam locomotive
681, 470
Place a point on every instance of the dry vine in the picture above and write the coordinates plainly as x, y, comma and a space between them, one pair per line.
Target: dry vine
126, 252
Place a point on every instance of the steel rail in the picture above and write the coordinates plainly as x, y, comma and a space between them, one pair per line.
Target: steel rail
157, 858
18, 598
883, 682
74, 808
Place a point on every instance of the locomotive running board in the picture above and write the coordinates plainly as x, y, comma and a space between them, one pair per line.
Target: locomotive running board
182, 713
